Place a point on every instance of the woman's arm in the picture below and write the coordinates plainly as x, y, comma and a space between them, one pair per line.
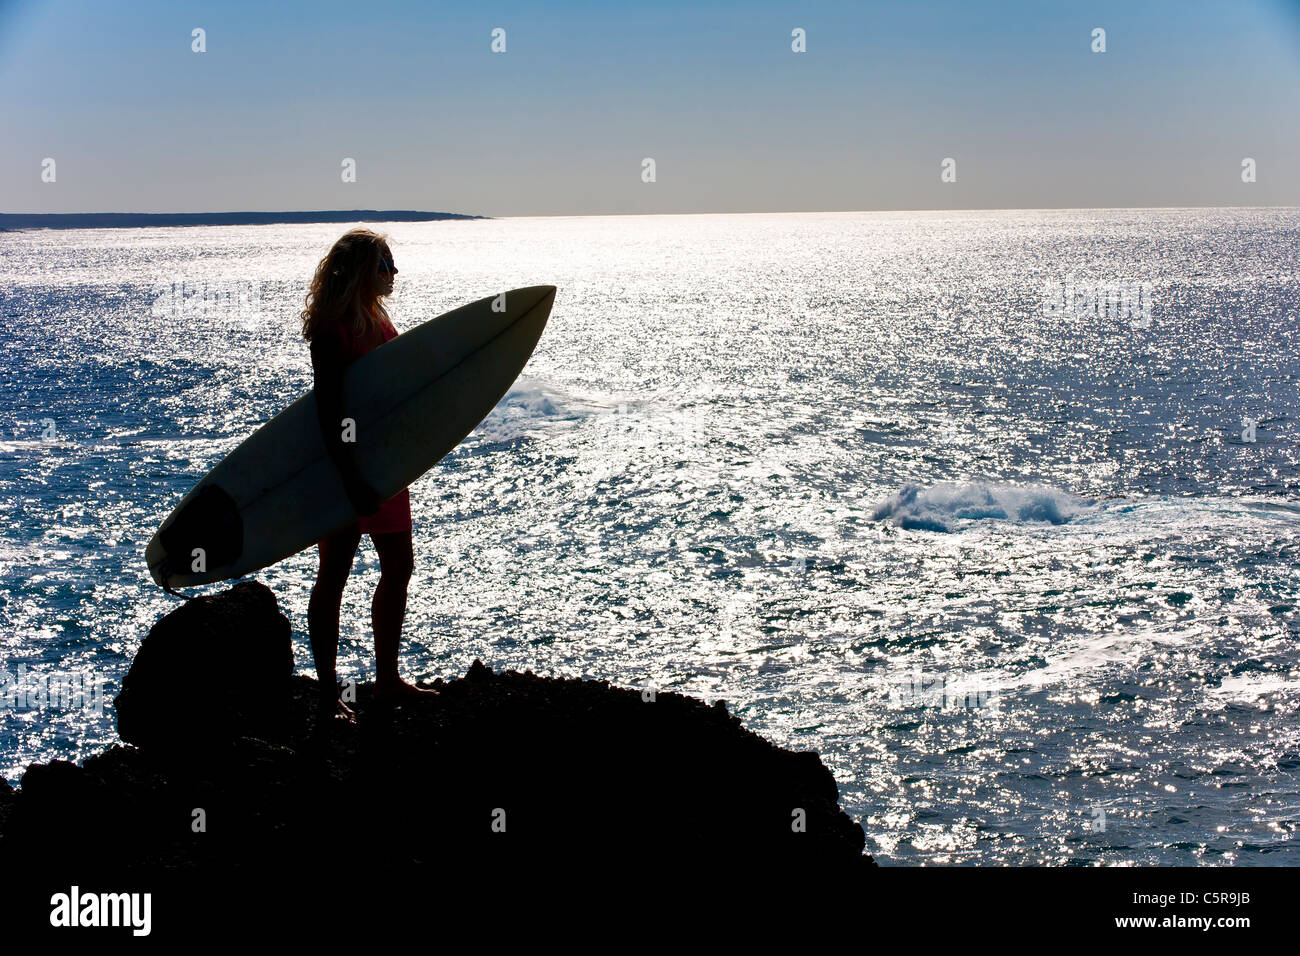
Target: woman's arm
328, 362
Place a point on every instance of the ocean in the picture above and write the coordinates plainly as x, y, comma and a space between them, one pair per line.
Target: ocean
997, 511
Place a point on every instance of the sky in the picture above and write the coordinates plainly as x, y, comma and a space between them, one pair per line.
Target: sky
560, 123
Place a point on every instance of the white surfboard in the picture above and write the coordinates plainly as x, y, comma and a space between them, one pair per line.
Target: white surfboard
413, 398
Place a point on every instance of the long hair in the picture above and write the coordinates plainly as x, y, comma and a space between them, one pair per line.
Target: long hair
346, 284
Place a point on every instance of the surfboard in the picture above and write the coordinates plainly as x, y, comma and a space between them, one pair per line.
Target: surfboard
413, 399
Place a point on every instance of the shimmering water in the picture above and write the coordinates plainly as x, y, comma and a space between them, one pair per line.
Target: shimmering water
1021, 576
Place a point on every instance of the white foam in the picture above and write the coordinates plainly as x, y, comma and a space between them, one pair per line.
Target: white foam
944, 506
1250, 687
530, 408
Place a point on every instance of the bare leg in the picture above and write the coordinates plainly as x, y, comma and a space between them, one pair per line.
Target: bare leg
396, 562
336, 554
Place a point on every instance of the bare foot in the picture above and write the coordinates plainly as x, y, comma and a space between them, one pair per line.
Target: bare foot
401, 690
332, 711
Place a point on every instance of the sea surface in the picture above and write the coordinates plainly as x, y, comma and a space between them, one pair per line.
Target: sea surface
997, 511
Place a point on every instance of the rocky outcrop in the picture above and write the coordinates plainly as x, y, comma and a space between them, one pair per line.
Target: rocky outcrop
226, 764
215, 669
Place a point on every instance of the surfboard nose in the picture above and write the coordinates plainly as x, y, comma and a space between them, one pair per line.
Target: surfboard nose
536, 296
534, 310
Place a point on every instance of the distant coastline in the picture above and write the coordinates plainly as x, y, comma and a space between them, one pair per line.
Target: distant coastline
136, 220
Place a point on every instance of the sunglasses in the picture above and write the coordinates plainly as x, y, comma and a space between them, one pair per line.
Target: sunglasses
386, 264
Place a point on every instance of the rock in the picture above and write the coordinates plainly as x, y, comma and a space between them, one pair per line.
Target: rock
6, 802
228, 768
215, 668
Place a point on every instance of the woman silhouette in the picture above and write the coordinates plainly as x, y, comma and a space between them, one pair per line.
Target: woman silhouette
343, 320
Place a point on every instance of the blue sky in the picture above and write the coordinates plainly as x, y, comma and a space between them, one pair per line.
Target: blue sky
560, 123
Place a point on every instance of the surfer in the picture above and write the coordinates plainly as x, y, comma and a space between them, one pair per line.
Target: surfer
343, 320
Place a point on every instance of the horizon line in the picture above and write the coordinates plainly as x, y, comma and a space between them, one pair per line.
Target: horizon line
414, 215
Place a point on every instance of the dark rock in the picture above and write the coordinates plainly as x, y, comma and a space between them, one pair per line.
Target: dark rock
214, 668
576, 772
6, 802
